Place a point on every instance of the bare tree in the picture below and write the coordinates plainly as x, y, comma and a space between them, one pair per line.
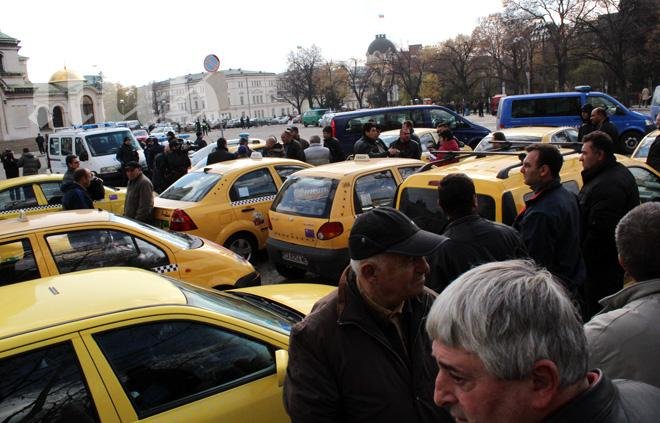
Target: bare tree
380, 84
304, 62
331, 83
559, 18
291, 88
457, 62
408, 66
359, 77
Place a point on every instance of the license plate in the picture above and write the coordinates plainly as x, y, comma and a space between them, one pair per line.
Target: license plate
295, 258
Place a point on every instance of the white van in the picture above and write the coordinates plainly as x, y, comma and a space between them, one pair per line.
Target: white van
95, 145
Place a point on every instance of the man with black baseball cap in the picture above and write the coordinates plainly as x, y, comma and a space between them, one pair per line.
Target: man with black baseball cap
362, 355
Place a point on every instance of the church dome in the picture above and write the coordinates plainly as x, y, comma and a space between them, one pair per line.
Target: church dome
65, 75
381, 44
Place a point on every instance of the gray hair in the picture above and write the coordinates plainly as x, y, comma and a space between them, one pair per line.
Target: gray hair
638, 241
356, 264
511, 314
314, 139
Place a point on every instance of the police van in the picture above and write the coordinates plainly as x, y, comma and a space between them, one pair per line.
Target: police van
96, 146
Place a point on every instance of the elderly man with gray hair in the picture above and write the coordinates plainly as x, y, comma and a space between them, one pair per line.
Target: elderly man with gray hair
316, 154
510, 347
624, 339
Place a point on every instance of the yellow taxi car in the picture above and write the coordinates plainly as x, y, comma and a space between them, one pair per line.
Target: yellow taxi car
226, 202
428, 138
42, 193
126, 345
55, 243
519, 138
642, 150
314, 211
500, 188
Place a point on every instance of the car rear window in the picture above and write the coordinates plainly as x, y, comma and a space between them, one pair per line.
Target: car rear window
181, 239
306, 196
514, 142
191, 187
421, 205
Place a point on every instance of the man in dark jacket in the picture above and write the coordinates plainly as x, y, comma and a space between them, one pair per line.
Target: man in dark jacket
75, 193
292, 148
473, 240
177, 162
10, 164
29, 163
139, 202
153, 149
653, 159
221, 153
511, 348
40, 143
361, 355
273, 148
370, 143
550, 222
199, 142
586, 127
336, 152
405, 147
296, 136
602, 123
127, 153
608, 193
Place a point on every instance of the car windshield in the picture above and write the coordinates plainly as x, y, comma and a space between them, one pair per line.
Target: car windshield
306, 196
389, 139
644, 147
109, 142
244, 307
512, 143
180, 239
191, 187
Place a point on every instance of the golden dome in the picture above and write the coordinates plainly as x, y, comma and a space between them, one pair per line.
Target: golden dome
65, 75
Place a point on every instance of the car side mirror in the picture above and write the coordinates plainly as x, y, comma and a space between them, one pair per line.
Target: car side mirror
281, 362
84, 156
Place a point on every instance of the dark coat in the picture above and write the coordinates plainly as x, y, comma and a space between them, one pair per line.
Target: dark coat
607, 401
374, 148
348, 365
177, 163
151, 152
126, 154
220, 155
550, 228
608, 193
139, 201
609, 128
585, 128
10, 164
472, 241
653, 159
29, 163
408, 150
75, 197
158, 173
336, 152
293, 150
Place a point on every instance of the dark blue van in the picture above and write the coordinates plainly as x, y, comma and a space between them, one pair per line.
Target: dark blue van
563, 109
347, 126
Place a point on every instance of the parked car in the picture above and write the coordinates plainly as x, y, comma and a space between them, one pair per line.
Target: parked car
125, 345
519, 138
326, 119
226, 202
642, 150
42, 193
160, 133
312, 214
311, 117
563, 109
56, 243
428, 138
141, 135
198, 158
347, 126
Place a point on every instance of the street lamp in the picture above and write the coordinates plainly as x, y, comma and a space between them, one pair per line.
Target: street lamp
121, 107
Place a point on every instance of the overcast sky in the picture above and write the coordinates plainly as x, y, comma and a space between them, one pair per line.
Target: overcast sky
135, 42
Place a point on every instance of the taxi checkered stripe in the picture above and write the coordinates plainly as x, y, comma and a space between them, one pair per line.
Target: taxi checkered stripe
27, 209
166, 268
253, 200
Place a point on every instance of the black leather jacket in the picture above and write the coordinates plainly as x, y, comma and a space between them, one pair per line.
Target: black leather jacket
472, 241
374, 148
606, 401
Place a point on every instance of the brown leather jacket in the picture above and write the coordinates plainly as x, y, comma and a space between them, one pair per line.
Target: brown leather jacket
348, 365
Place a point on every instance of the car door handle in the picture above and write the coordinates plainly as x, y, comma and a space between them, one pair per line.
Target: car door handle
249, 209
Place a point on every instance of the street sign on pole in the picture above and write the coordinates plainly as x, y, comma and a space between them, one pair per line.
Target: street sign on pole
211, 63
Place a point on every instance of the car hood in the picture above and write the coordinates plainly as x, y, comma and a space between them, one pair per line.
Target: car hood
297, 296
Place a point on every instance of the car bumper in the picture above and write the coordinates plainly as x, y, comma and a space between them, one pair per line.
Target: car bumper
323, 262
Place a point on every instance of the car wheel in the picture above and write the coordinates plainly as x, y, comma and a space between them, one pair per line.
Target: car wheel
289, 272
242, 244
628, 141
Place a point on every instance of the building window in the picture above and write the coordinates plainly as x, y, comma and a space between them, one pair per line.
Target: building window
241, 100
196, 105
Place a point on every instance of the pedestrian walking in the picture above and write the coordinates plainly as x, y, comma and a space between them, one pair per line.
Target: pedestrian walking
139, 202
40, 143
511, 348
10, 164
624, 338
360, 355
29, 163
608, 193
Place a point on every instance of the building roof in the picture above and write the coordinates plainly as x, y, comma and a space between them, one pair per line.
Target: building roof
381, 44
4, 38
66, 75
244, 72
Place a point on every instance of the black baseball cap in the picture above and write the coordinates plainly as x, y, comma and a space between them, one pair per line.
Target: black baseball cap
387, 230
133, 165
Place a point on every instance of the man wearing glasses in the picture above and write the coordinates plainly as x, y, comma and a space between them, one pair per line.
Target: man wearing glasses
72, 163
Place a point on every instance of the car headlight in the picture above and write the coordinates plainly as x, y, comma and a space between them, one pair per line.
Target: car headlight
109, 169
648, 122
